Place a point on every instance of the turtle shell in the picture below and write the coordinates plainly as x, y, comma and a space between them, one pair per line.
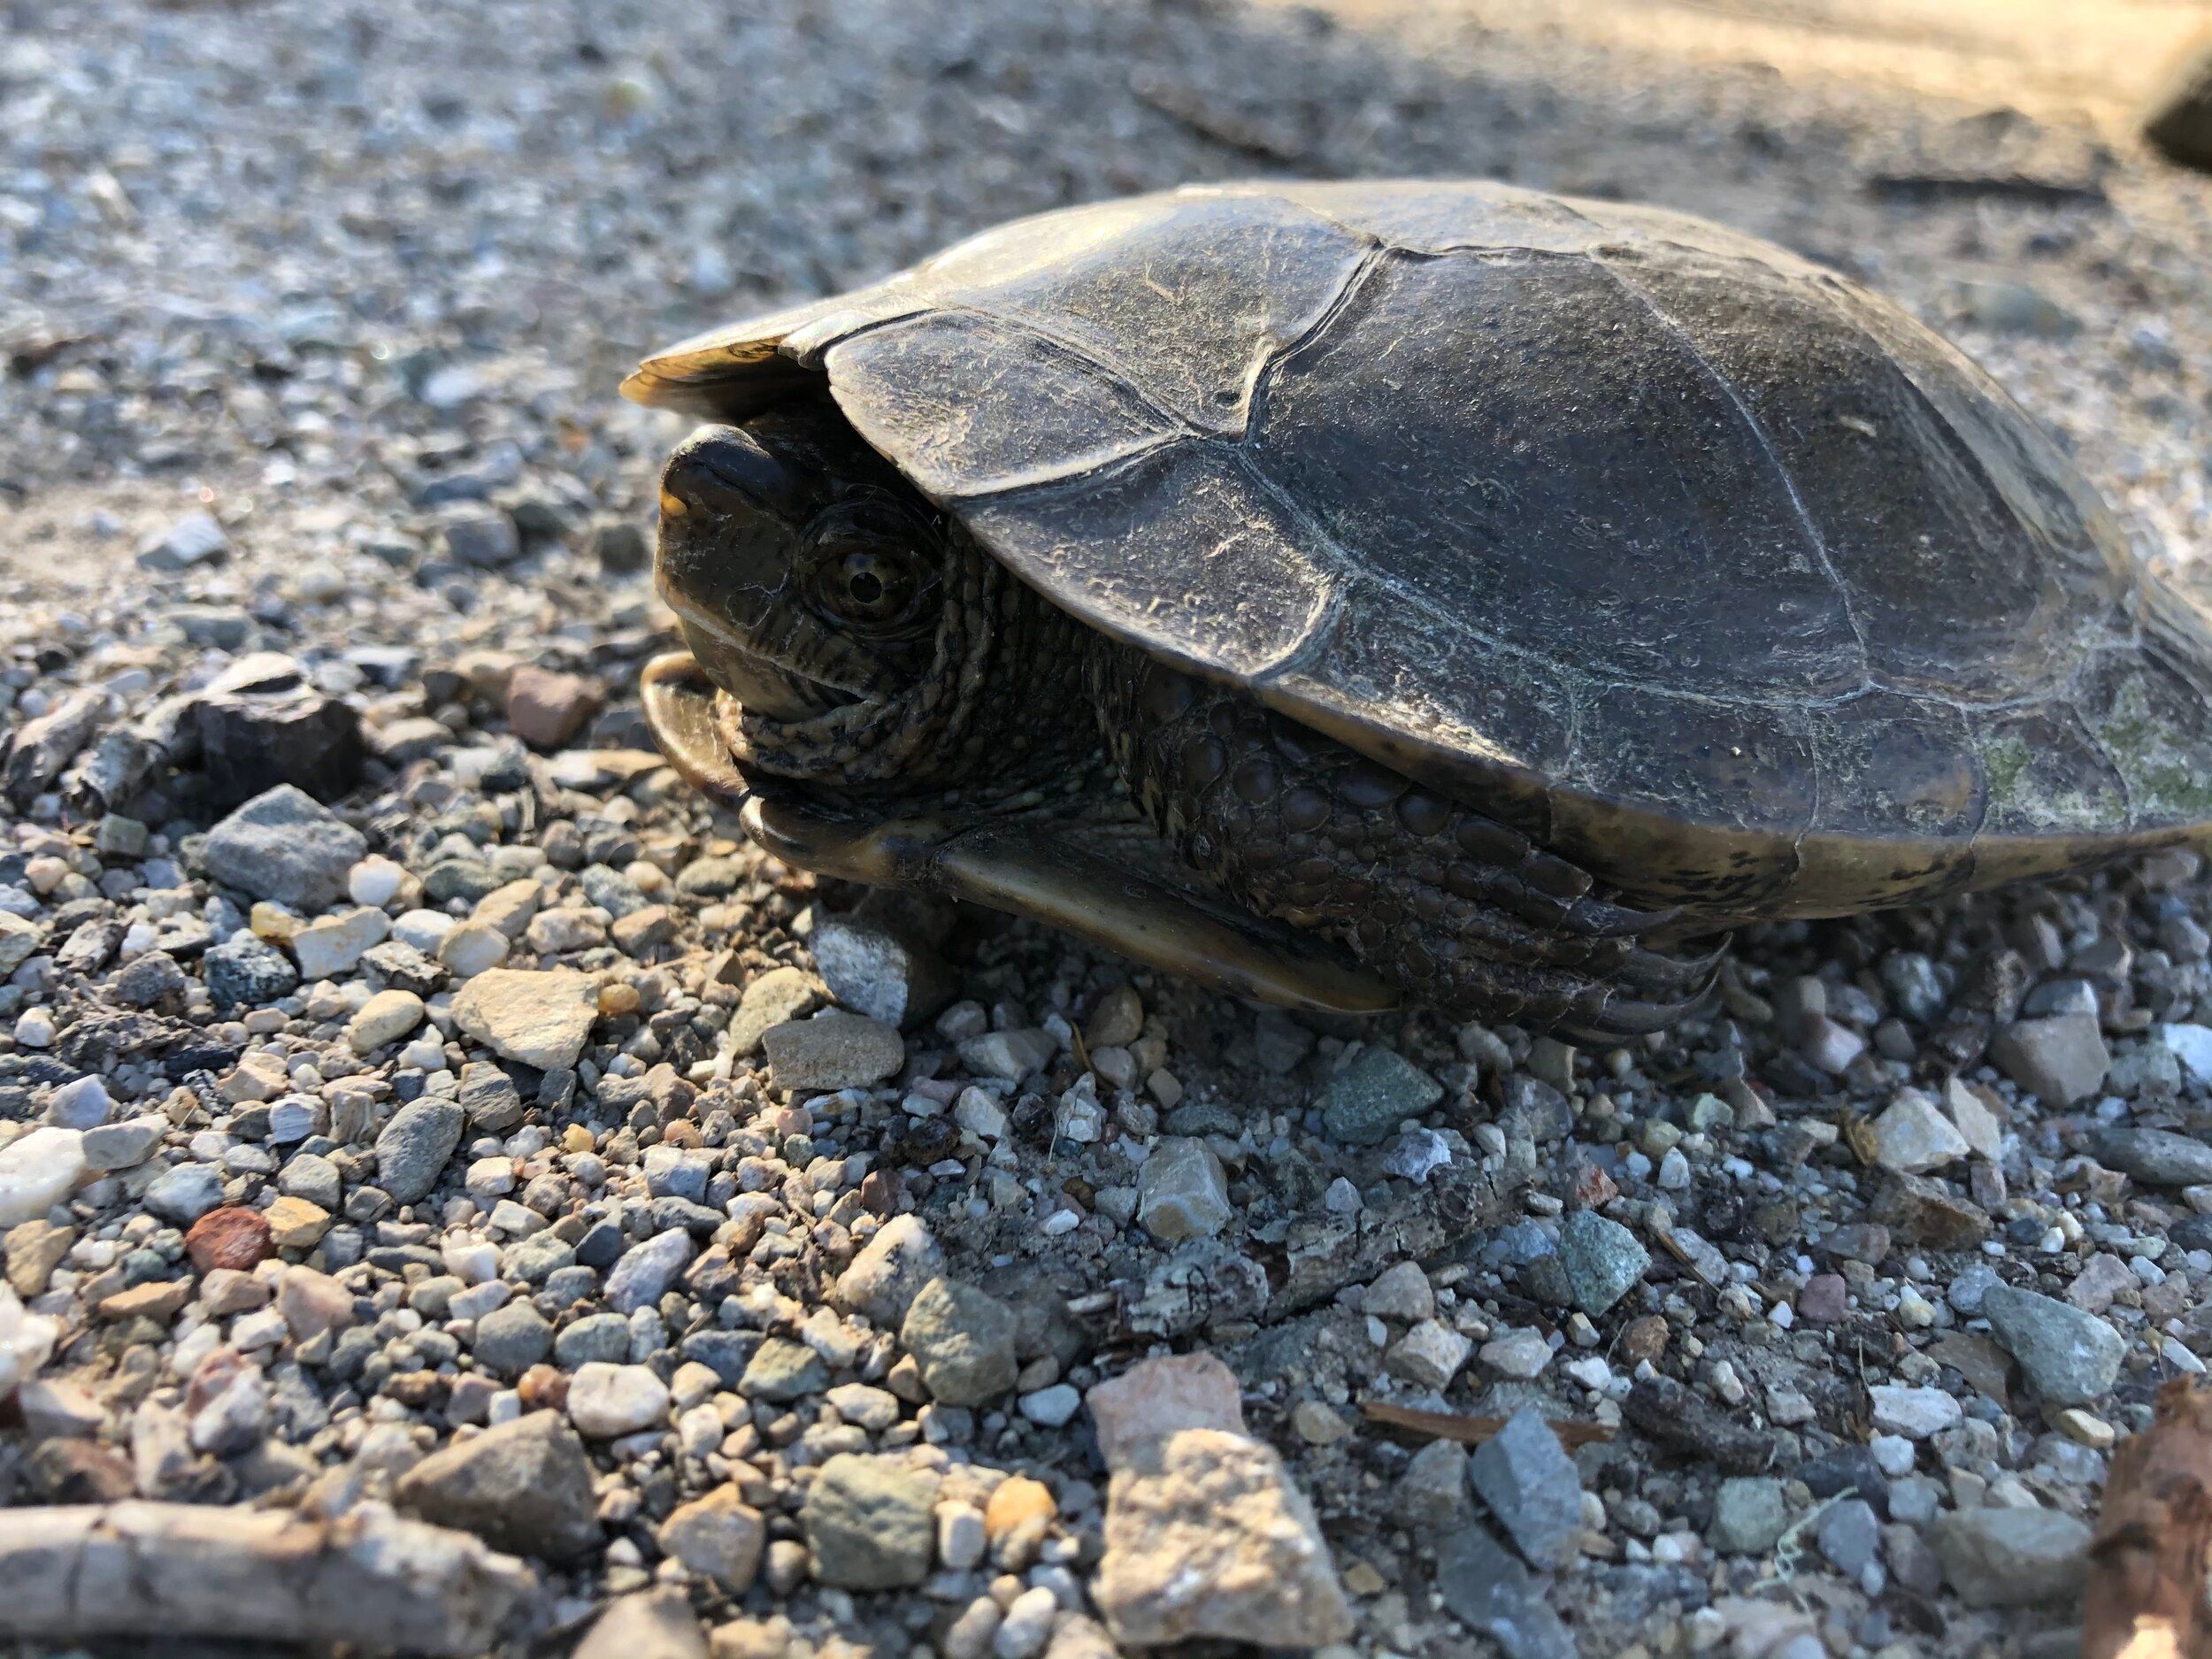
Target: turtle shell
1709, 569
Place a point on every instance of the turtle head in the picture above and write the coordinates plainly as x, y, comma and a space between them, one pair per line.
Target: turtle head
806, 574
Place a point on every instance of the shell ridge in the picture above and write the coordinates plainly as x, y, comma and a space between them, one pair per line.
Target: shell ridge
1757, 429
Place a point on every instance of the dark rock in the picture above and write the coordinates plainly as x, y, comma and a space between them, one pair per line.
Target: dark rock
249, 972
262, 723
1672, 1415
524, 1486
1493, 1594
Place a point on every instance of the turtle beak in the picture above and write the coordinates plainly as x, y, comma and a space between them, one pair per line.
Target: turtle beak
724, 562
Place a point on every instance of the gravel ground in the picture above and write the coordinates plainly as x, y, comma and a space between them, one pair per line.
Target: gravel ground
461, 1151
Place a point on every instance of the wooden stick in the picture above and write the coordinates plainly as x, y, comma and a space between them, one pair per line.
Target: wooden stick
2146, 1594
187, 1570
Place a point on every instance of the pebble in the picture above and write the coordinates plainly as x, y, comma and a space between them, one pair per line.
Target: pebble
1209, 1538
1750, 1513
651, 1624
1913, 1135
2060, 1061
38, 1171
1009, 1056
1429, 1355
1493, 1594
2159, 1156
607, 1401
385, 1018
647, 1270
717, 1536
1182, 1191
833, 1051
2068, 1356
525, 1487
412, 1149
246, 972
286, 847
1525, 1476
1848, 1535
889, 1270
2010, 1557
867, 1522
1912, 1412
964, 1339
770, 999
539, 1018
886, 973
1603, 1260
1156, 1398
180, 1193
330, 948
1363, 1103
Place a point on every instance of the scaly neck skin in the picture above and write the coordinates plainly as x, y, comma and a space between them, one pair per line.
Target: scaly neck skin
1001, 709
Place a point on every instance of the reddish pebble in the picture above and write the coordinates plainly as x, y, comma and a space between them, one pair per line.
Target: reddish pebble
542, 1387
1644, 1339
1594, 1188
1826, 1299
233, 1237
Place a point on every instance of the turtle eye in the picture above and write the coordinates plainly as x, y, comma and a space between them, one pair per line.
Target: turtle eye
875, 587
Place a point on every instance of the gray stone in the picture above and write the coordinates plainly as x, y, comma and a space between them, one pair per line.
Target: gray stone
125, 1145
1528, 1480
184, 1193
604, 1337
1009, 1056
310, 1176
1490, 1592
1750, 1512
649, 1624
194, 538
285, 847
1362, 1104
248, 971
891, 1267
537, 1258
145, 980
2011, 1558
524, 1486
781, 1371
885, 971
412, 1148
1431, 1495
868, 1522
770, 999
511, 1339
489, 1097
1601, 1259
2059, 1061
833, 1051
646, 1271
964, 1339
2069, 1356
1913, 1134
2159, 1156
1182, 1192
1848, 1535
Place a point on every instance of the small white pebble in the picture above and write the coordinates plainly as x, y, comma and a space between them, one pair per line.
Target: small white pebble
375, 881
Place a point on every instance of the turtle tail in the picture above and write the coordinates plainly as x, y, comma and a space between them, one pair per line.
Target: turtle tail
1462, 912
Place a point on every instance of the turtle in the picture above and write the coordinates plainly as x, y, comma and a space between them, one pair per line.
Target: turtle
1366, 594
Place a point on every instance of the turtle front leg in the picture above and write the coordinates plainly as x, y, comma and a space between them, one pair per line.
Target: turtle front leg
1462, 912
